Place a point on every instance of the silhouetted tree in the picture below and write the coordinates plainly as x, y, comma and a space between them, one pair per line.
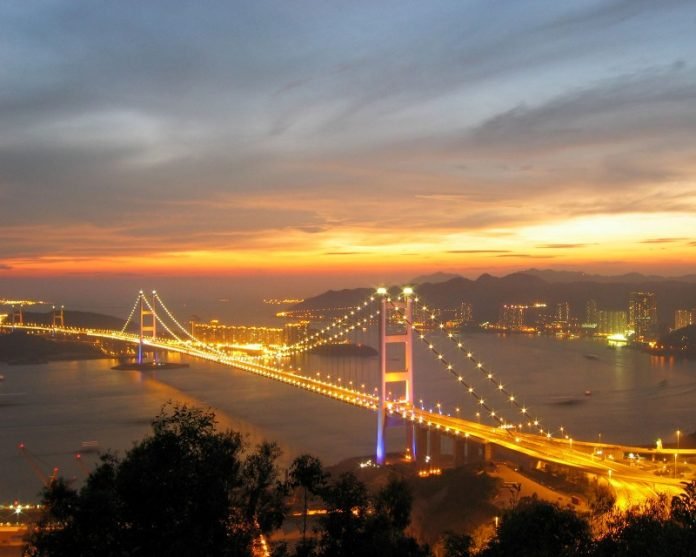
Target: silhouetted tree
393, 503
357, 524
645, 530
536, 528
683, 509
457, 545
185, 490
307, 473
601, 499
384, 528
342, 528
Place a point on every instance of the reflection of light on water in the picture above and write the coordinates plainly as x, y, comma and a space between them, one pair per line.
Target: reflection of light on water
617, 340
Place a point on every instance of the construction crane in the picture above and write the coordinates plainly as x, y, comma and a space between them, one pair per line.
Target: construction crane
33, 462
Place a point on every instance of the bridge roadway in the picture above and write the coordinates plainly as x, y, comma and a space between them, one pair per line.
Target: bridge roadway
631, 482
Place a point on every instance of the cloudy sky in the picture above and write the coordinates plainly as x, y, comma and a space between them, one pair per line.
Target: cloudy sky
288, 137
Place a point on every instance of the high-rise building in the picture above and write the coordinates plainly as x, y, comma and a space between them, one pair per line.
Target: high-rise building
611, 322
295, 332
465, 313
512, 316
537, 314
591, 312
642, 314
563, 312
216, 332
684, 318
422, 318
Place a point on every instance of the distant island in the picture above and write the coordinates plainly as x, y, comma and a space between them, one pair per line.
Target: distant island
19, 347
345, 349
83, 319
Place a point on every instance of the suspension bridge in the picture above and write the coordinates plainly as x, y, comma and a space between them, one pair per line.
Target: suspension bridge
515, 428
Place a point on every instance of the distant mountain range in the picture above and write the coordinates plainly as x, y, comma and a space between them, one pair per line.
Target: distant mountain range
627, 278
487, 293
434, 278
568, 276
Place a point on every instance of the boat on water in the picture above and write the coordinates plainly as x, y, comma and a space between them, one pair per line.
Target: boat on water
89, 447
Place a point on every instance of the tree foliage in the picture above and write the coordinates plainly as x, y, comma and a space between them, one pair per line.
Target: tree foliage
188, 490
537, 528
457, 545
357, 522
307, 473
652, 529
185, 490
684, 508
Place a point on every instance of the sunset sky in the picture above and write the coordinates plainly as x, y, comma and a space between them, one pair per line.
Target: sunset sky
340, 138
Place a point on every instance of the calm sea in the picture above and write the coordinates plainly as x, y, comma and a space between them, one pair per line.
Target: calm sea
54, 408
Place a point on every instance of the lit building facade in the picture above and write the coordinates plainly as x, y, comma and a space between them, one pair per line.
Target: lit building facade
591, 312
465, 314
512, 316
217, 333
642, 315
611, 322
684, 318
563, 312
295, 332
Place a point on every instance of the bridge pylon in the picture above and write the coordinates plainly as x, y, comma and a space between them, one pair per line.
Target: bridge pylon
148, 321
18, 315
58, 317
388, 377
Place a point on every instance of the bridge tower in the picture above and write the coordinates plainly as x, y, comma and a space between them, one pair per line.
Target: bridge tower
148, 321
18, 315
388, 377
58, 316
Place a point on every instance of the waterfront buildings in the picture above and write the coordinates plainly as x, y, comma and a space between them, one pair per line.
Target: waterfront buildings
512, 316
642, 315
218, 333
684, 318
611, 322
465, 314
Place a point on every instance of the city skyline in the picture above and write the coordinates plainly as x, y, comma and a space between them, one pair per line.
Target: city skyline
370, 139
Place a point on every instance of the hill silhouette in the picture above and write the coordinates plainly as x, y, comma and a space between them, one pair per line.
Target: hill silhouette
487, 293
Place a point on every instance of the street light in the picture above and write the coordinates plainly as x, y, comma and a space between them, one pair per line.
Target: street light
676, 455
